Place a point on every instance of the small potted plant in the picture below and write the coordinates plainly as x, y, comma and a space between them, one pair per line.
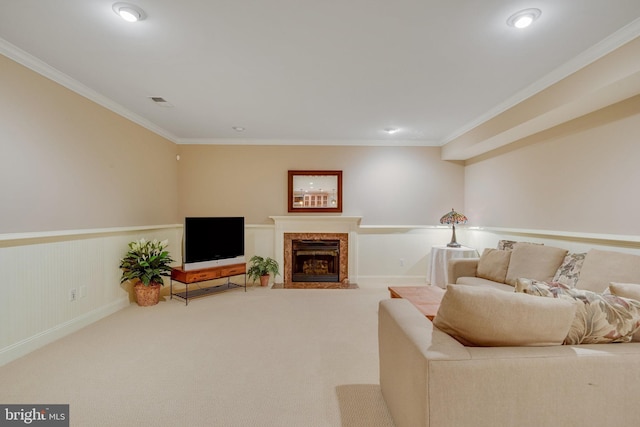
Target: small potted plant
261, 268
144, 265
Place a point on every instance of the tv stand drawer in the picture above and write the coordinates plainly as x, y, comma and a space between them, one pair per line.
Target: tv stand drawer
202, 276
233, 270
193, 276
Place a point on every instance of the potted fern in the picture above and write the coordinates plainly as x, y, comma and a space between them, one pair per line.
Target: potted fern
261, 268
144, 265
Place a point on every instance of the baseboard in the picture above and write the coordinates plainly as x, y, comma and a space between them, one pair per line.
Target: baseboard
386, 281
26, 346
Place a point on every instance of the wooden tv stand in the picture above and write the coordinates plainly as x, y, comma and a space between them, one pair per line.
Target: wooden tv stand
191, 277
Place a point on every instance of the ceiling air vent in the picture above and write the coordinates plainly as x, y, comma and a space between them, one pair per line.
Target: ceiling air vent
160, 101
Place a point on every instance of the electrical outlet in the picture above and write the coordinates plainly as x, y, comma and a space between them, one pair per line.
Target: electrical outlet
401, 262
73, 294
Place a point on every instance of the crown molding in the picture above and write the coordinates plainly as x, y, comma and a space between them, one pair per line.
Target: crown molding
20, 56
597, 51
324, 142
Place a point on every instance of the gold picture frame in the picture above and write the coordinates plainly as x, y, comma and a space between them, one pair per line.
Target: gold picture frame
315, 191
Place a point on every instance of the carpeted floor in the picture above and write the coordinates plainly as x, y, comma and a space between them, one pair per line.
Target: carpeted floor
256, 358
362, 405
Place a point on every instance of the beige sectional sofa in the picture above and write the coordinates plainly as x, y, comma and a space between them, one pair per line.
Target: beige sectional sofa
596, 269
428, 378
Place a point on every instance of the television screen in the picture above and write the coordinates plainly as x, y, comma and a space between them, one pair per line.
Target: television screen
213, 239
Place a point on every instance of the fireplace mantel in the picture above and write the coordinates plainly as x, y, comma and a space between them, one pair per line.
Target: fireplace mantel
318, 224
354, 221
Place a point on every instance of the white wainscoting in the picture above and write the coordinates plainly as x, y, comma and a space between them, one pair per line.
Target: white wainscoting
398, 255
576, 242
381, 255
40, 269
260, 240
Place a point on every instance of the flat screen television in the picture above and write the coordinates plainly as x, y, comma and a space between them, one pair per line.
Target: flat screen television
212, 242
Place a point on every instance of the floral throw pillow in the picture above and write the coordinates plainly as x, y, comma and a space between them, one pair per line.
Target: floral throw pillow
569, 271
600, 318
627, 290
534, 287
506, 245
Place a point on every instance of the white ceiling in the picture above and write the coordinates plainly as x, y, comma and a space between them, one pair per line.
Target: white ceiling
312, 72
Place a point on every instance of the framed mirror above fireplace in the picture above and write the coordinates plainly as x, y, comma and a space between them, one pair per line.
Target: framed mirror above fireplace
315, 191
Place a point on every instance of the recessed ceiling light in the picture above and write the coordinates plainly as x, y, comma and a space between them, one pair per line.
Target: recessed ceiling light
391, 131
129, 12
524, 18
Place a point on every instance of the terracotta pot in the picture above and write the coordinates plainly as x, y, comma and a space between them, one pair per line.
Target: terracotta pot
147, 295
264, 280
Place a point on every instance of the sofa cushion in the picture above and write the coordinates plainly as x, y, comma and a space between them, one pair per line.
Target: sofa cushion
534, 262
482, 316
599, 318
493, 265
478, 281
569, 271
627, 290
602, 267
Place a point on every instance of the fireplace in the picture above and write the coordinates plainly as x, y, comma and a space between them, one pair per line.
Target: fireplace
316, 260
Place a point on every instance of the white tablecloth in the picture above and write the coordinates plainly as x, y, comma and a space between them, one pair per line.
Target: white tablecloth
440, 255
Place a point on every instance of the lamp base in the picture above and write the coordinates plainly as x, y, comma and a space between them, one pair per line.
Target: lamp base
453, 243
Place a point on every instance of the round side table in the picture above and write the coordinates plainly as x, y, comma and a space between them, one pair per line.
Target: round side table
440, 256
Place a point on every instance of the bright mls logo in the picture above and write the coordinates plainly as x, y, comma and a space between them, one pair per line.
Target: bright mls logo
36, 415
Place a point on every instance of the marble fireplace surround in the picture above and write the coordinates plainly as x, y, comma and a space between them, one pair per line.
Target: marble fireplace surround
342, 228
343, 271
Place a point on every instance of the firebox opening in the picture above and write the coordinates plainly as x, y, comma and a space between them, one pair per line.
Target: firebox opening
315, 261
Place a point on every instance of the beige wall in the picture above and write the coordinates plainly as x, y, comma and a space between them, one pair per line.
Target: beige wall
68, 163
582, 176
384, 185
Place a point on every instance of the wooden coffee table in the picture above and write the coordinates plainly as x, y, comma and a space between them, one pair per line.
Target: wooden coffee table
425, 298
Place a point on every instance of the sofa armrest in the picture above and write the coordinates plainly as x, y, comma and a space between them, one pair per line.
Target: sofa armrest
408, 342
461, 267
